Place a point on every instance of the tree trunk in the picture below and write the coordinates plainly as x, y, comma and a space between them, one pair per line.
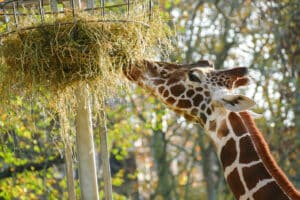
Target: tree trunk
165, 186
208, 173
208, 163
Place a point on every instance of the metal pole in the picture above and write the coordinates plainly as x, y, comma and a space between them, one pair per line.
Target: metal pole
69, 169
64, 129
73, 9
103, 142
90, 5
15, 14
6, 19
102, 5
105, 156
150, 9
41, 10
54, 7
85, 145
128, 7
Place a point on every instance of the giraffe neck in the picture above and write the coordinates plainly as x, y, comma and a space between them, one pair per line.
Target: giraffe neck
249, 168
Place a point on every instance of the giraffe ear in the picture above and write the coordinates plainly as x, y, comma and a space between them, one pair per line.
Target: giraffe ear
236, 102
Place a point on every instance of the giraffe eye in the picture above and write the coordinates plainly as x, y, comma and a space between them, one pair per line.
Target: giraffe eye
193, 77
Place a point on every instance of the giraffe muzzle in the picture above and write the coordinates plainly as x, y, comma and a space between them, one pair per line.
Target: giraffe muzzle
236, 77
234, 72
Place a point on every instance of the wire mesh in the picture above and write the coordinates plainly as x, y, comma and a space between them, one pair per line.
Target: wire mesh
13, 11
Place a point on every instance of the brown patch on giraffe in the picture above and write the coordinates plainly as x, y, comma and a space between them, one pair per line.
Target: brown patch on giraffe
188, 117
235, 184
194, 111
133, 73
207, 93
161, 89
199, 121
152, 66
203, 106
267, 159
208, 111
241, 82
177, 90
228, 153
212, 125
237, 124
203, 117
172, 81
247, 150
199, 89
271, 191
252, 175
170, 100
234, 73
183, 103
159, 82
223, 130
197, 99
208, 100
166, 93
212, 108
177, 111
190, 93
164, 73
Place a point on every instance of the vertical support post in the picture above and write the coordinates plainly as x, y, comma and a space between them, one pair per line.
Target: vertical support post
73, 9
15, 14
102, 5
105, 156
69, 169
6, 18
90, 4
64, 129
76, 4
150, 9
41, 10
54, 7
128, 6
85, 145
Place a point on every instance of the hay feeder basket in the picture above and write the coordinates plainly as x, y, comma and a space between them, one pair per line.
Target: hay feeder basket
33, 34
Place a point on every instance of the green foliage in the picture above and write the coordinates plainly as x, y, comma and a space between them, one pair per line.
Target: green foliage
27, 139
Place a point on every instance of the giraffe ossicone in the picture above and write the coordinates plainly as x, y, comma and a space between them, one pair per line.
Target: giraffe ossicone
206, 96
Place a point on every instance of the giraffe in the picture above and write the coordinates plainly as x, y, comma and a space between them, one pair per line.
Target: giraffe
206, 96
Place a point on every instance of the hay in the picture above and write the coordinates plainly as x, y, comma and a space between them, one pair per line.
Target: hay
59, 54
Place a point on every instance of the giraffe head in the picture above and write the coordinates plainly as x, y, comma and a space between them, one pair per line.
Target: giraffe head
196, 91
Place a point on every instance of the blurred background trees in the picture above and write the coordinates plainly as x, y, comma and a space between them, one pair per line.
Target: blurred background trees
154, 153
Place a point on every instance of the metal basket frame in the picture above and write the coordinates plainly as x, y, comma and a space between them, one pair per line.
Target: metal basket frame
13, 8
